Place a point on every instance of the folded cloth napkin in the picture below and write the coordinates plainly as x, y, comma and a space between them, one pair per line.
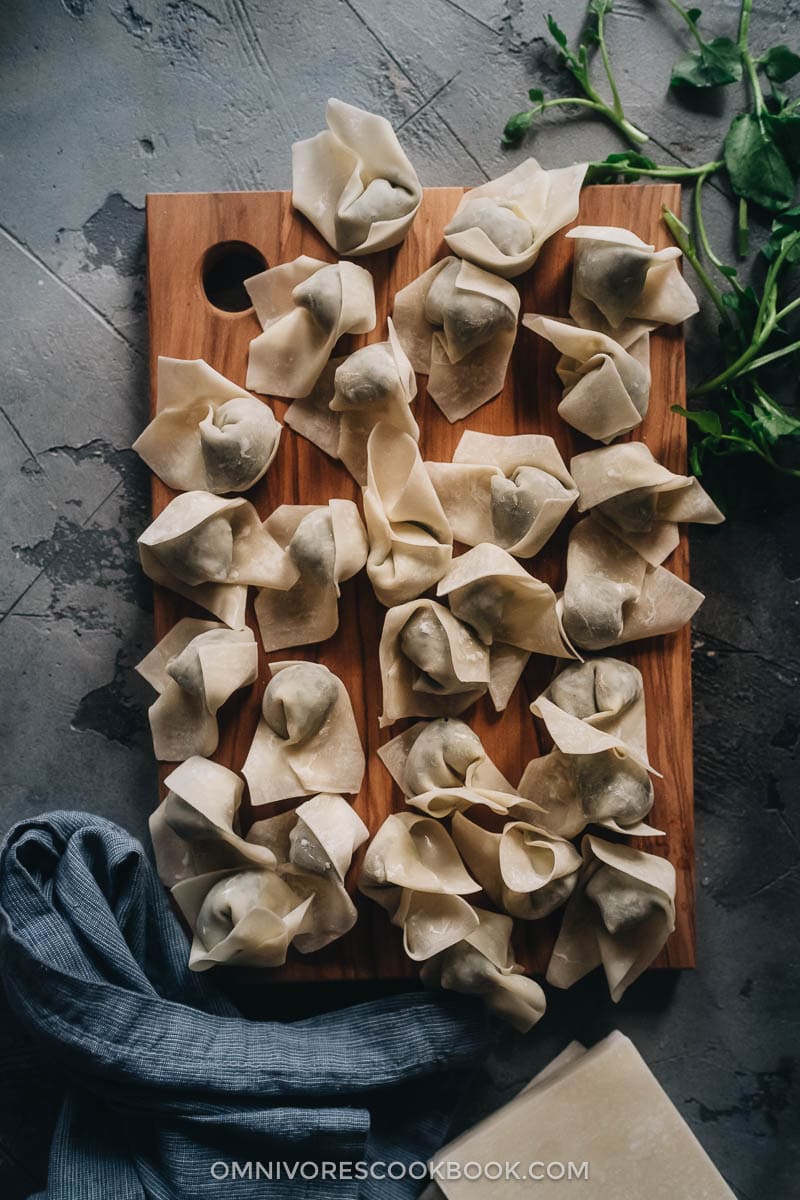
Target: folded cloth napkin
168, 1091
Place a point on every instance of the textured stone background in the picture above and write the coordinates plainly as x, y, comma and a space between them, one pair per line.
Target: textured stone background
104, 101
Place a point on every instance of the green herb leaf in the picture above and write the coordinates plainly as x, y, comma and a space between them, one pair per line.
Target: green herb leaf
785, 236
717, 63
785, 130
780, 63
772, 420
757, 168
536, 95
704, 419
600, 7
517, 126
556, 32
610, 170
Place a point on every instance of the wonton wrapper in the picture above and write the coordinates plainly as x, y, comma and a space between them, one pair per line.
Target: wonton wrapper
640, 501
193, 829
458, 659
618, 279
465, 354
512, 491
304, 308
207, 434
306, 741
511, 612
633, 929
612, 596
483, 965
354, 182
524, 870
320, 836
375, 384
327, 544
444, 753
209, 550
606, 383
503, 224
195, 668
410, 542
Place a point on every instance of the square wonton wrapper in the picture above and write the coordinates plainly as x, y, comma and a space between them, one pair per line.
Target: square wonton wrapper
512, 612
321, 835
335, 173
308, 612
468, 657
546, 200
629, 469
665, 297
289, 356
188, 395
458, 386
342, 431
606, 383
410, 541
332, 760
469, 486
184, 722
612, 596
443, 753
257, 559
584, 942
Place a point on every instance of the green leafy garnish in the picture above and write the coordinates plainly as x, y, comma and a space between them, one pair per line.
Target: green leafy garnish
779, 64
712, 64
757, 168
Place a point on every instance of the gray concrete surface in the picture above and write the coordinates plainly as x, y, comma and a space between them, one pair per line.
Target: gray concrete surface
104, 101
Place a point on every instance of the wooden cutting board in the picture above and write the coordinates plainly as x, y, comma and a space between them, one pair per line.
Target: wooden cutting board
188, 237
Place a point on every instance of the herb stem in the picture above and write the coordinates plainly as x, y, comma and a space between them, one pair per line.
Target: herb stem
784, 312
765, 359
748, 61
656, 172
692, 26
703, 234
685, 242
612, 83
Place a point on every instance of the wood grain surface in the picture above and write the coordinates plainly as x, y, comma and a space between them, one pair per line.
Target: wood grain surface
181, 229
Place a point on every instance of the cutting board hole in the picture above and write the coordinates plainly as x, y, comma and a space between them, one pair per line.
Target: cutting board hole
225, 268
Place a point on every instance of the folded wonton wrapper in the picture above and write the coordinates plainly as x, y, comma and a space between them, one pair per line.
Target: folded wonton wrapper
321, 835
620, 915
483, 965
598, 773
444, 753
612, 596
195, 668
503, 224
327, 543
512, 491
524, 870
194, 828
375, 384
354, 182
209, 550
307, 740
512, 613
207, 434
410, 542
304, 308
640, 501
432, 664
606, 383
618, 279
457, 324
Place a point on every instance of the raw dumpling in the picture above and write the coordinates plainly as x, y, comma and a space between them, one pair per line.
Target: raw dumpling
320, 836
612, 596
413, 870
483, 965
524, 870
639, 500
620, 916
374, 384
304, 308
457, 324
444, 753
512, 491
511, 612
209, 550
410, 542
354, 182
195, 668
327, 543
207, 434
503, 224
194, 828
606, 383
432, 664
616, 278
307, 740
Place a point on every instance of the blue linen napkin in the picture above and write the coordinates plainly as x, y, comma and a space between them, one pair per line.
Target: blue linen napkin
168, 1092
